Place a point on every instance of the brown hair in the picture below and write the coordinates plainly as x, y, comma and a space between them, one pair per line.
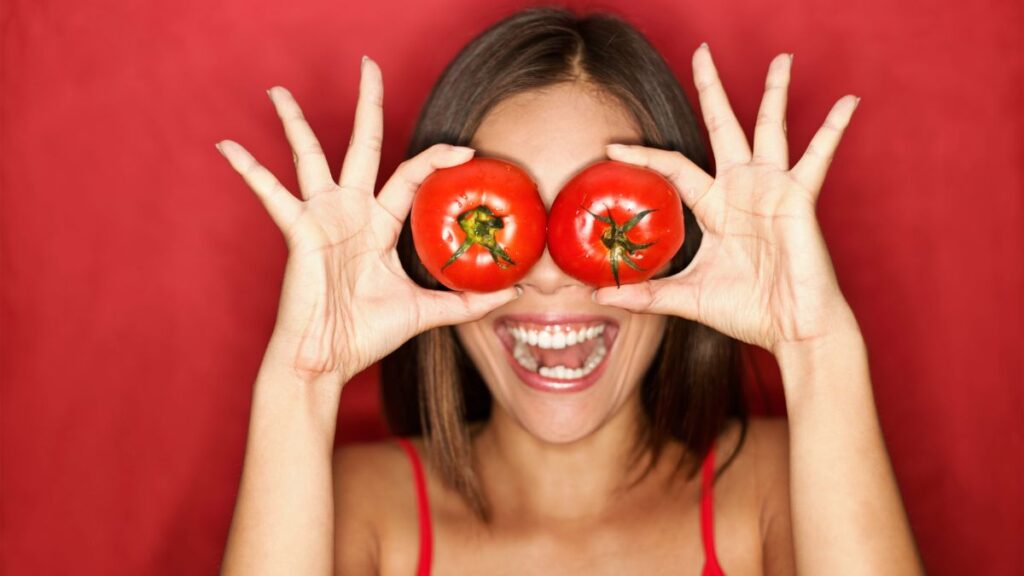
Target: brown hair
429, 385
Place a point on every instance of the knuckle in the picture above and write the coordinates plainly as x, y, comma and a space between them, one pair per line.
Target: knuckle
310, 149
819, 152
373, 142
832, 126
439, 148
405, 166
715, 123
277, 188
704, 82
252, 167
293, 114
766, 118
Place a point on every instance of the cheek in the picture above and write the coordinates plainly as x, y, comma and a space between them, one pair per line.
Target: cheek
646, 333
474, 340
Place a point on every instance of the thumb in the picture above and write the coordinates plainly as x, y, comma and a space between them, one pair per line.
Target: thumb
439, 308
670, 297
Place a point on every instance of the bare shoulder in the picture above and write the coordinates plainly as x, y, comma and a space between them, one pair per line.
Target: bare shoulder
370, 482
763, 448
769, 438
762, 453
765, 456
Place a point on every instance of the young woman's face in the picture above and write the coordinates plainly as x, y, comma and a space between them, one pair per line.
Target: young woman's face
553, 134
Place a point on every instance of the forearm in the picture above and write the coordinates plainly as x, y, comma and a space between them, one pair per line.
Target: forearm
284, 514
847, 514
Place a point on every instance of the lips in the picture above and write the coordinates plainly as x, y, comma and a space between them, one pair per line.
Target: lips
557, 352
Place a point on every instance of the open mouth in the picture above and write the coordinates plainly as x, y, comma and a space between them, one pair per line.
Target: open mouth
557, 351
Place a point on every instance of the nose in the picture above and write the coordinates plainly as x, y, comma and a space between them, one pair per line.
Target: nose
545, 277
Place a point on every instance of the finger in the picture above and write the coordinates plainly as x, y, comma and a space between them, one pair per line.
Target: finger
397, 193
359, 169
439, 308
811, 168
728, 142
314, 174
689, 179
770, 145
282, 206
670, 296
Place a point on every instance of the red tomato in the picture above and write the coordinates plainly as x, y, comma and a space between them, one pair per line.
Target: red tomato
478, 226
615, 223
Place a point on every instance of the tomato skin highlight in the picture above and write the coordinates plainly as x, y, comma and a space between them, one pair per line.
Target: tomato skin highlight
495, 198
608, 196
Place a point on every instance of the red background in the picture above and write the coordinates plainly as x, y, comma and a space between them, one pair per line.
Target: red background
141, 276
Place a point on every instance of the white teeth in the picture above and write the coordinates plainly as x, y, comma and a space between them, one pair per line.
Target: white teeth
561, 372
558, 340
555, 338
544, 341
523, 356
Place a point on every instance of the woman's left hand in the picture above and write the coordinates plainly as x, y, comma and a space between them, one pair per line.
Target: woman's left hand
762, 273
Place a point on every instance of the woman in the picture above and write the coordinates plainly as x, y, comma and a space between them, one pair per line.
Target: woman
653, 468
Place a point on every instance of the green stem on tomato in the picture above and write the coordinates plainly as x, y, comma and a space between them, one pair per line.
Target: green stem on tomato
479, 225
619, 246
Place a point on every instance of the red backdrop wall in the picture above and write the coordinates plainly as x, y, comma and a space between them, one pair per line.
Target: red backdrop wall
141, 276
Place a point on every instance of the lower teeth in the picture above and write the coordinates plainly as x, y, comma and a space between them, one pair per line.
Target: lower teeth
526, 360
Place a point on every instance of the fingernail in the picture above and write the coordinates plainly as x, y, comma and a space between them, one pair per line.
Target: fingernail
221, 150
362, 63
790, 57
462, 149
704, 45
270, 94
519, 290
856, 103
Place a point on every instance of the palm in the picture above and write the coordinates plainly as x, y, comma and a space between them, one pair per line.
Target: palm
346, 301
356, 238
757, 216
762, 274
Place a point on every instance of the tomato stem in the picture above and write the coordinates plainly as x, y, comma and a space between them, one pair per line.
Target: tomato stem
479, 225
619, 246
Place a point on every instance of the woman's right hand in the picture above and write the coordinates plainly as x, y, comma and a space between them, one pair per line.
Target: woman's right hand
346, 302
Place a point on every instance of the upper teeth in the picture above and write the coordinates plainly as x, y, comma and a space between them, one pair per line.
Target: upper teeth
549, 337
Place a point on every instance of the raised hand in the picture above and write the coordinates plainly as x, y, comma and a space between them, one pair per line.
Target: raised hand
762, 274
346, 302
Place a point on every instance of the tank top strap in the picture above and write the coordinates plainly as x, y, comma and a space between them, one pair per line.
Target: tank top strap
422, 507
707, 516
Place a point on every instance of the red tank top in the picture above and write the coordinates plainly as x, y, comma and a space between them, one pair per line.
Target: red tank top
711, 566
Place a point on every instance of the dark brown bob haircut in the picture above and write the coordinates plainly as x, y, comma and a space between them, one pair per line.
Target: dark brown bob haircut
429, 385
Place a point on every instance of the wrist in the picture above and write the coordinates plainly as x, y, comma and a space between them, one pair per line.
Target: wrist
836, 322
282, 387
835, 362
290, 358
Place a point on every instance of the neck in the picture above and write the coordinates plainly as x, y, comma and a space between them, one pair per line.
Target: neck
528, 477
